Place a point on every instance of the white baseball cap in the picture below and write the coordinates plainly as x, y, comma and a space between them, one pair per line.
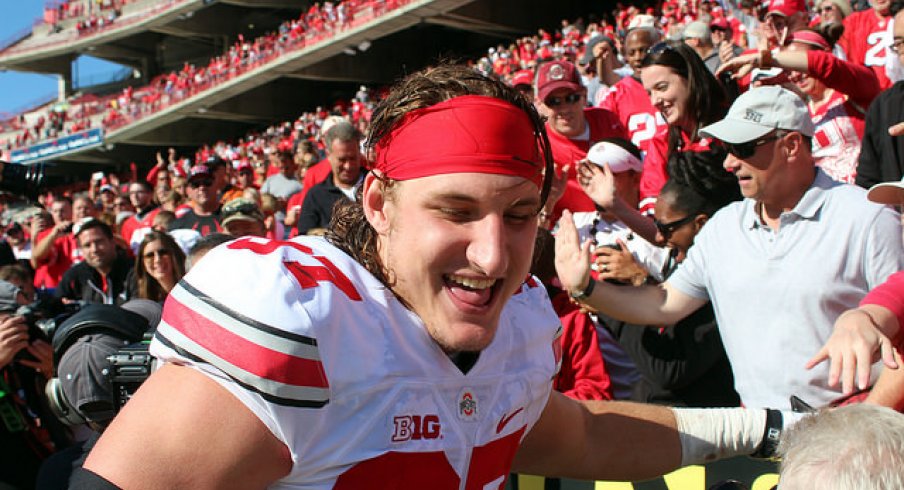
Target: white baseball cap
619, 159
760, 111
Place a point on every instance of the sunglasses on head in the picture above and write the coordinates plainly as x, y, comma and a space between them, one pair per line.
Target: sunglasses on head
746, 150
200, 182
568, 99
656, 50
243, 208
666, 229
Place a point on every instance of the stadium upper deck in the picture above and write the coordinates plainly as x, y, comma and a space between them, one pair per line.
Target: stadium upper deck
377, 43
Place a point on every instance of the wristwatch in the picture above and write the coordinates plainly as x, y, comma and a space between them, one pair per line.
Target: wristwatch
585, 293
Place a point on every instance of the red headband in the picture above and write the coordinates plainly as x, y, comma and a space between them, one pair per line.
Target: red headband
469, 133
810, 38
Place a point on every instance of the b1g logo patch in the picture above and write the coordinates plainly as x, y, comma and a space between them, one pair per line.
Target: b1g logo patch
467, 405
415, 427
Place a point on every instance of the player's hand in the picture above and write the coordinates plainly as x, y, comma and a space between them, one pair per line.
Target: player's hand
856, 343
13, 338
572, 257
618, 264
598, 183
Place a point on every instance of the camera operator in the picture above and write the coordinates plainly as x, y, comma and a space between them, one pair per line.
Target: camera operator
101, 277
28, 433
91, 348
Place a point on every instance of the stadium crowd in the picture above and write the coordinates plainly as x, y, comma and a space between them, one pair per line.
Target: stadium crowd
722, 228
80, 112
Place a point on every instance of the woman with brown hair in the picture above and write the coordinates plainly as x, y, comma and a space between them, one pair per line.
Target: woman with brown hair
159, 265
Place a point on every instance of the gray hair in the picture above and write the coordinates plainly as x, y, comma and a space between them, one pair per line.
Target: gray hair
856, 447
342, 131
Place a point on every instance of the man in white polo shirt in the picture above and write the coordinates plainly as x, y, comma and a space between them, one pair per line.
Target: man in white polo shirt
779, 266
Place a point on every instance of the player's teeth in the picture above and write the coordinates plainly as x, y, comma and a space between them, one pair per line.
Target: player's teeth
473, 283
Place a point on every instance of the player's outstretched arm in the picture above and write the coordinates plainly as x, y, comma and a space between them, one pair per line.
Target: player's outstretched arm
600, 440
183, 430
625, 441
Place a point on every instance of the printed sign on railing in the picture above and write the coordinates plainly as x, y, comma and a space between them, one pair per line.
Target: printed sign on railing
48, 149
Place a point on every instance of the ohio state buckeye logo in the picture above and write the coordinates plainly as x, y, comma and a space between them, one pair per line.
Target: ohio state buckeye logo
556, 72
467, 405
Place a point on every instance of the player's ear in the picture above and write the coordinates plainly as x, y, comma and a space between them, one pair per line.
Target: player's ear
374, 202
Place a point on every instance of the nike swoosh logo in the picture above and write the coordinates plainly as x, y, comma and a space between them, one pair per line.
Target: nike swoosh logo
506, 419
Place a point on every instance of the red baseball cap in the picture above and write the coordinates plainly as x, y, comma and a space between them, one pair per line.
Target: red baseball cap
523, 77
786, 8
720, 23
555, 75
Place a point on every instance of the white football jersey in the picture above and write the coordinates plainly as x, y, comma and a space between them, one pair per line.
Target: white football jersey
348, 378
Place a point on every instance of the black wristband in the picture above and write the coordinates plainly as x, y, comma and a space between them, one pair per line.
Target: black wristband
772, 434
586, 292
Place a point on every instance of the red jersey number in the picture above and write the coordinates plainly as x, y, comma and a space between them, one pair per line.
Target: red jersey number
308, 276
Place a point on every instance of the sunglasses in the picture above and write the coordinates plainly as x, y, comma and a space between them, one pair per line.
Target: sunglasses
159, 253
200, 182
746, 150
666, 229
655, 51
568, 99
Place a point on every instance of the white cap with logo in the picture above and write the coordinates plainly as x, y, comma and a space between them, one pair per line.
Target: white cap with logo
760, 111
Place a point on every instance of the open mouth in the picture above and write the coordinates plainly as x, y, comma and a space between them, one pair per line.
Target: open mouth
471, 292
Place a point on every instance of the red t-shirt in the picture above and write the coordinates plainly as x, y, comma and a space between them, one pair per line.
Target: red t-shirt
865, 39
63, 255
583, 374
630, 102
655, 171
